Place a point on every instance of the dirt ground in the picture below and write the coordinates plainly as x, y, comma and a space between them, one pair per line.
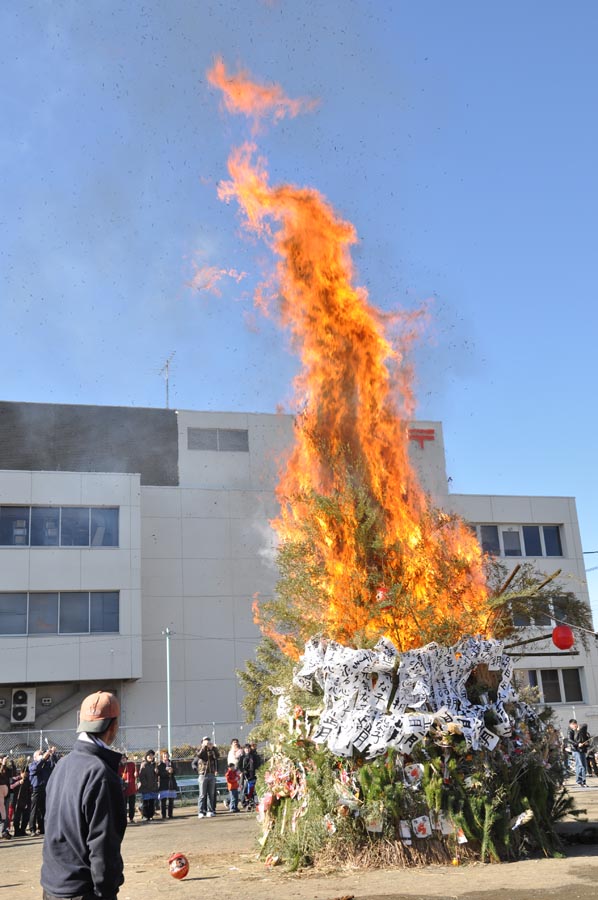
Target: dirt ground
222, 854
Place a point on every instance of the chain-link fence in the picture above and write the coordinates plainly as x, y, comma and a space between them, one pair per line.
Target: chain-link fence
136, 740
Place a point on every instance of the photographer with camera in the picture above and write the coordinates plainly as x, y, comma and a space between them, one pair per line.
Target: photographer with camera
205, 764
40, 770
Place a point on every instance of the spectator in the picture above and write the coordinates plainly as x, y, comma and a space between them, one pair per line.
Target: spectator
21, 788
579, 754
40, 770
206, 766
128, 775
147, 784
232, 783
235, 754
167, 785
5, 779
250, 766
86, 817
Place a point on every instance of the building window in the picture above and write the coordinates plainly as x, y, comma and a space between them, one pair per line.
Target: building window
219, 439
103, 612
64, 612
520, 540
43, 613
45, 526
53, 526
14, 525
556, 685
13, 613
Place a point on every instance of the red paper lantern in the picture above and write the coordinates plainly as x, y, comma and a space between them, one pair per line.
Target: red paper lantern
178, 865
563, 637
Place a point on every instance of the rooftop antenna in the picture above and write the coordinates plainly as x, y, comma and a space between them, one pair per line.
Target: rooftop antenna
165, 372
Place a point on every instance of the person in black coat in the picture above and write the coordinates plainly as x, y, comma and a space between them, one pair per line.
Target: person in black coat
167, 785
85, 811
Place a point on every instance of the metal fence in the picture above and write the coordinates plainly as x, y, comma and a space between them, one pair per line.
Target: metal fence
136, 740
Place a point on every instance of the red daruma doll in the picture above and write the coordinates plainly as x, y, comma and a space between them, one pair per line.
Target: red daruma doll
178, 865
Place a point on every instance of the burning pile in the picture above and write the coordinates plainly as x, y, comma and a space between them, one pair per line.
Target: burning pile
363, 553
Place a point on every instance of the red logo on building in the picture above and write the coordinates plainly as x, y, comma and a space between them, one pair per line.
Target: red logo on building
421, 435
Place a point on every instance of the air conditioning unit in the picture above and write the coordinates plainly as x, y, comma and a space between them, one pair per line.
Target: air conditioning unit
22, 707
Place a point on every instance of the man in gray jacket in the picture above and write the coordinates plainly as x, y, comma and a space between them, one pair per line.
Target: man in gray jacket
85, 811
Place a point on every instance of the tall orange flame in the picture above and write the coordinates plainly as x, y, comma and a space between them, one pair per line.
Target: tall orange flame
355, 393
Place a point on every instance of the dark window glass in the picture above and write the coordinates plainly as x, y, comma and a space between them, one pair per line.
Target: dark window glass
74, 529
543, 619
104, 611
104, 527
489, 536
202, 438
532, 677
550, 685
521, 619
559, 610
74, 612
13, 613
233, 439
512, 543
531, 539
572, 686
14, 526
45, 524
43, 613
552, 540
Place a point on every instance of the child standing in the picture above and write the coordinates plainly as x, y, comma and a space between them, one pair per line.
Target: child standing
128, 774
232, 783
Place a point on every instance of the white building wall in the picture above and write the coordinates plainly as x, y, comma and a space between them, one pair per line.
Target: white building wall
207, 550
561, 511
51, 658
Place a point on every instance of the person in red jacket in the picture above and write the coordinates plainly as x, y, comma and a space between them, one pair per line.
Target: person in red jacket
232, 782
128, 774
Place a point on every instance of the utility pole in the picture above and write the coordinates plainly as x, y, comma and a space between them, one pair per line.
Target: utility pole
165, 373
167, 633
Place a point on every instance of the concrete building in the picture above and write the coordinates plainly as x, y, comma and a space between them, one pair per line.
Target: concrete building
117, 524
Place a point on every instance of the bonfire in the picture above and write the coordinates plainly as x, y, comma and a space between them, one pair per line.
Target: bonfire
387, 697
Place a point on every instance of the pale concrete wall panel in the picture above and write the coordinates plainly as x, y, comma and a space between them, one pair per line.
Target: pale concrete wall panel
53, 658
510, 510
473, 508
212, 700
161, 578
106, 489
206, 538
253, 505
209, 660
14, 569
15, 487
207, 577
56, 488
211, 469
160, 501
161, 538
206, 504
55, 569
550, 510
106, 568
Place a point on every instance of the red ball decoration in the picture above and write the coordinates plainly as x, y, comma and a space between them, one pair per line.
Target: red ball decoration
563, 637
178, 865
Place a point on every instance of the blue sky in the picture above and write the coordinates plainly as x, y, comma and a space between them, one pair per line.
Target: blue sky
460, 139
